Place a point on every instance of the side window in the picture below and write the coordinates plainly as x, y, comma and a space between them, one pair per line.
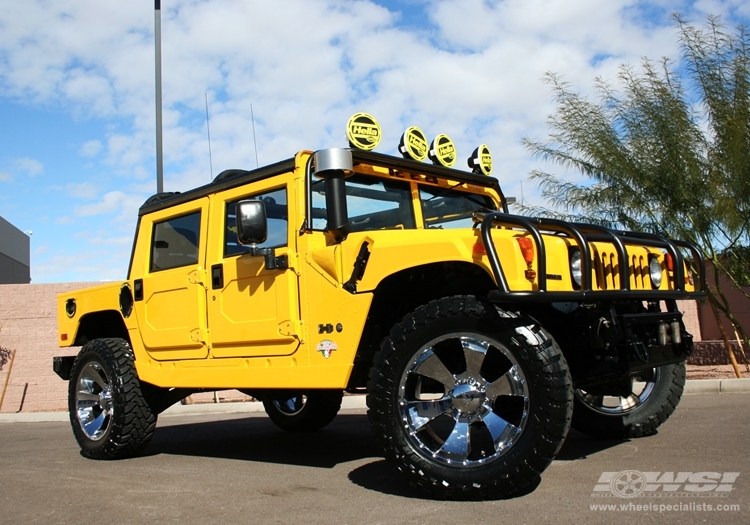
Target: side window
372, 203
175, 242
278, 218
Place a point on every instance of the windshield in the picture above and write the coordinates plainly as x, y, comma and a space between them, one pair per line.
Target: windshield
372, 204
375, 203
443, 208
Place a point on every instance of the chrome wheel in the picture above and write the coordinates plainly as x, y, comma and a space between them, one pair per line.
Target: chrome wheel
303, 411
463, 400
642, 388
93, 399
291, 406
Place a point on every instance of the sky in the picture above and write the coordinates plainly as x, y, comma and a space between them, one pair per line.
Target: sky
77, 103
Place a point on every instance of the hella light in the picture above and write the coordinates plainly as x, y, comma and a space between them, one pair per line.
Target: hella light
575, 266
654, 268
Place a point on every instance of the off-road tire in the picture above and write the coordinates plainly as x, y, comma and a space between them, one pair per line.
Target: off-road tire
105, 370
538, 378
649, 412
304, 411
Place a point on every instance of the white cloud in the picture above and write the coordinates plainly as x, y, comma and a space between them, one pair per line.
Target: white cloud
91, 148
5, 177
117, 205
83, 190
32, 167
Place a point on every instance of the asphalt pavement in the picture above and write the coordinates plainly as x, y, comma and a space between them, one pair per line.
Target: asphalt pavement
238, 468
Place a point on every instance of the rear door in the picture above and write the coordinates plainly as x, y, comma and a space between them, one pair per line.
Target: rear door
170, 295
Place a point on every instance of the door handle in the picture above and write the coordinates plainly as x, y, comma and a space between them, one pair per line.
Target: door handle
217, 277
138, 290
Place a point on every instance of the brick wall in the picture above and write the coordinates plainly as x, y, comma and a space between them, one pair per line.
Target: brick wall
28, 325
690, 317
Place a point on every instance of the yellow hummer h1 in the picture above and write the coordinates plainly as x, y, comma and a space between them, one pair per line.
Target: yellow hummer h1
478, 336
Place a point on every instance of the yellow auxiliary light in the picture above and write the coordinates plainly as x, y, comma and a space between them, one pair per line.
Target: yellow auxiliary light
413, 144
442, 151
363, 131
480, 161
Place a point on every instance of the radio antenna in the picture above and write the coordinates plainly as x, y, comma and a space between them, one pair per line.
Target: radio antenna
208, 130
255, 143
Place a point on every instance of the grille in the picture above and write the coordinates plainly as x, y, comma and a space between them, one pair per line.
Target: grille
607, 271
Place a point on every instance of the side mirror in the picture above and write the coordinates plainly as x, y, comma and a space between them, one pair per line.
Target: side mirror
252, 225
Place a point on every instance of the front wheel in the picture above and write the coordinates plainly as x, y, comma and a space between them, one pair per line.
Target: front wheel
654, 395
304, 411
110, 416
469, 402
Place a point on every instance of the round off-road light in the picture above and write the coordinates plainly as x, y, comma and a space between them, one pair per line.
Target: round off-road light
575, 267
654, 269
363, 131
442, 151
480, 161
413, 144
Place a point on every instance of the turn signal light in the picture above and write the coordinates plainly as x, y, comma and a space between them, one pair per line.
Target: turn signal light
527, 249
669, 261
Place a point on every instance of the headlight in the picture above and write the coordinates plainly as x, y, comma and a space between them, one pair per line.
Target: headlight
575, 267
654, 268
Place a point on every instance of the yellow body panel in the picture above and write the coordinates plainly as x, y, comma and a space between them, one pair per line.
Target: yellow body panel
297, 327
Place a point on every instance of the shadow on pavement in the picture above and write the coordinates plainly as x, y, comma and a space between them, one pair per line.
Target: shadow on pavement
580, 446
348, 438
381, 477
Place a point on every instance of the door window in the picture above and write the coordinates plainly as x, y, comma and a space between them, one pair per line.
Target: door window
175, 242
276, 213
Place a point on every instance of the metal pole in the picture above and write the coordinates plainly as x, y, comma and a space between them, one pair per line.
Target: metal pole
157, 44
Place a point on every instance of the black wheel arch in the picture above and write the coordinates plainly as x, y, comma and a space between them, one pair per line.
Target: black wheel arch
405, 290
100, 325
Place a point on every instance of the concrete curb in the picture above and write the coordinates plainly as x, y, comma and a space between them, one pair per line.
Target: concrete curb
693, 386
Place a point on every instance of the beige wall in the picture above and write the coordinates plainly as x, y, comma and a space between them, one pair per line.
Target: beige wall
28, 324
690, 317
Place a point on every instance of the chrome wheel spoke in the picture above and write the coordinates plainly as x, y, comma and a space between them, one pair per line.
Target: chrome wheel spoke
474, 353
96, 376
92, 427
87, 398
457, 445
509, 384
430, 365
630, 402
500, 430
422, 412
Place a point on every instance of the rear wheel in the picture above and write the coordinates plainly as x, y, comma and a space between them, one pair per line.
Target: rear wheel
654, 395
108, 411
468, 402
304, 411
